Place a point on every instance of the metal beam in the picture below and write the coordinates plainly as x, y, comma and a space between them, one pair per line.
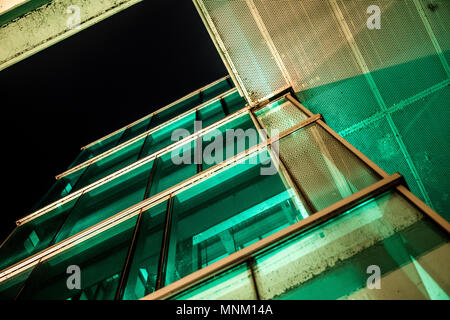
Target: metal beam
20, 39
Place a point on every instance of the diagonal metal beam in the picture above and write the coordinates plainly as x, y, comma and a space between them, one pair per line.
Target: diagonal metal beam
20, 39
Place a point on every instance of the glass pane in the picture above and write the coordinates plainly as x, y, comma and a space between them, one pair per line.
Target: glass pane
280, 115
234, 102
174, 167
135, 130
144, 267
107, 200
175, 110
210, 114
61, 188
83, 156
323, 168
226, 213
235, 284
96, 149
110, 164
161, 138
33, 236
215, 90
10, 288
336, 259
100, 260
228, 140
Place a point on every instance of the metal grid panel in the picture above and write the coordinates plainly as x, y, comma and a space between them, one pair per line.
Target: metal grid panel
426, 139
322, 167
311, 45
245, 45
437, 13
400, 55
377, 142
280, 115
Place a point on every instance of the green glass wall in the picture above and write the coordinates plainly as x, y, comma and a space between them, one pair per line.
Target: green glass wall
143, 272
226, 213
230, 208
33, 236
100, 259
332, 261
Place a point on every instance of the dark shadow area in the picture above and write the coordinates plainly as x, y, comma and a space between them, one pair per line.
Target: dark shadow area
91, 84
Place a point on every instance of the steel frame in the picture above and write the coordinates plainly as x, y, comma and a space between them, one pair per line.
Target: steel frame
130, 167
387, 182
189, 95
142, 135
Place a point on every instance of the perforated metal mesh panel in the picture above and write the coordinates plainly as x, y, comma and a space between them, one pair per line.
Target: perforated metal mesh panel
426, 137
371, 85
280, 115
246, 47
308, 38
322, 167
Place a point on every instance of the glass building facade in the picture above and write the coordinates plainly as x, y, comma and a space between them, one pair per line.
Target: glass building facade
232, 192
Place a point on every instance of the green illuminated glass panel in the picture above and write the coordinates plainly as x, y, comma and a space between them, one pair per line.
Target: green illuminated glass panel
332, 260
191, 102
144, 267
280, 115
235, 284
169, 134
216, 89
110, 164
226, 213
211, 114
174, 167
107, 200
33, 236
97, 148
176, 110
221, 108
322, 167
135, 130
100, 260
61, 188
228, 140
234, 102
10, 288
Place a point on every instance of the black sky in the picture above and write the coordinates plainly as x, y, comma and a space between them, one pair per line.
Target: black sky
91, 84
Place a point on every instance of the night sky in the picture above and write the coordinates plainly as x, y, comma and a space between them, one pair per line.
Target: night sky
91, 84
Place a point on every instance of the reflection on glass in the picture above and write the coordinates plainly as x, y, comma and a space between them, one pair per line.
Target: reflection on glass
33, 236
110, 164
336, 259
226, 213
235, 284
228, 140
106, 200
174, 167
322, 167
100, 260
10, 288
144, 267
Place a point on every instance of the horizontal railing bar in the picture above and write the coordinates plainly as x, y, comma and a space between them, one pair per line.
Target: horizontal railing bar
424, 208
182, 186
142, 135
132, 166
274, 239
295, 102
189, 95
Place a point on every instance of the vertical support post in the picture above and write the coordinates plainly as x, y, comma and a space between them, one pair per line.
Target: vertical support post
301, 195
132, 248
160, 279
